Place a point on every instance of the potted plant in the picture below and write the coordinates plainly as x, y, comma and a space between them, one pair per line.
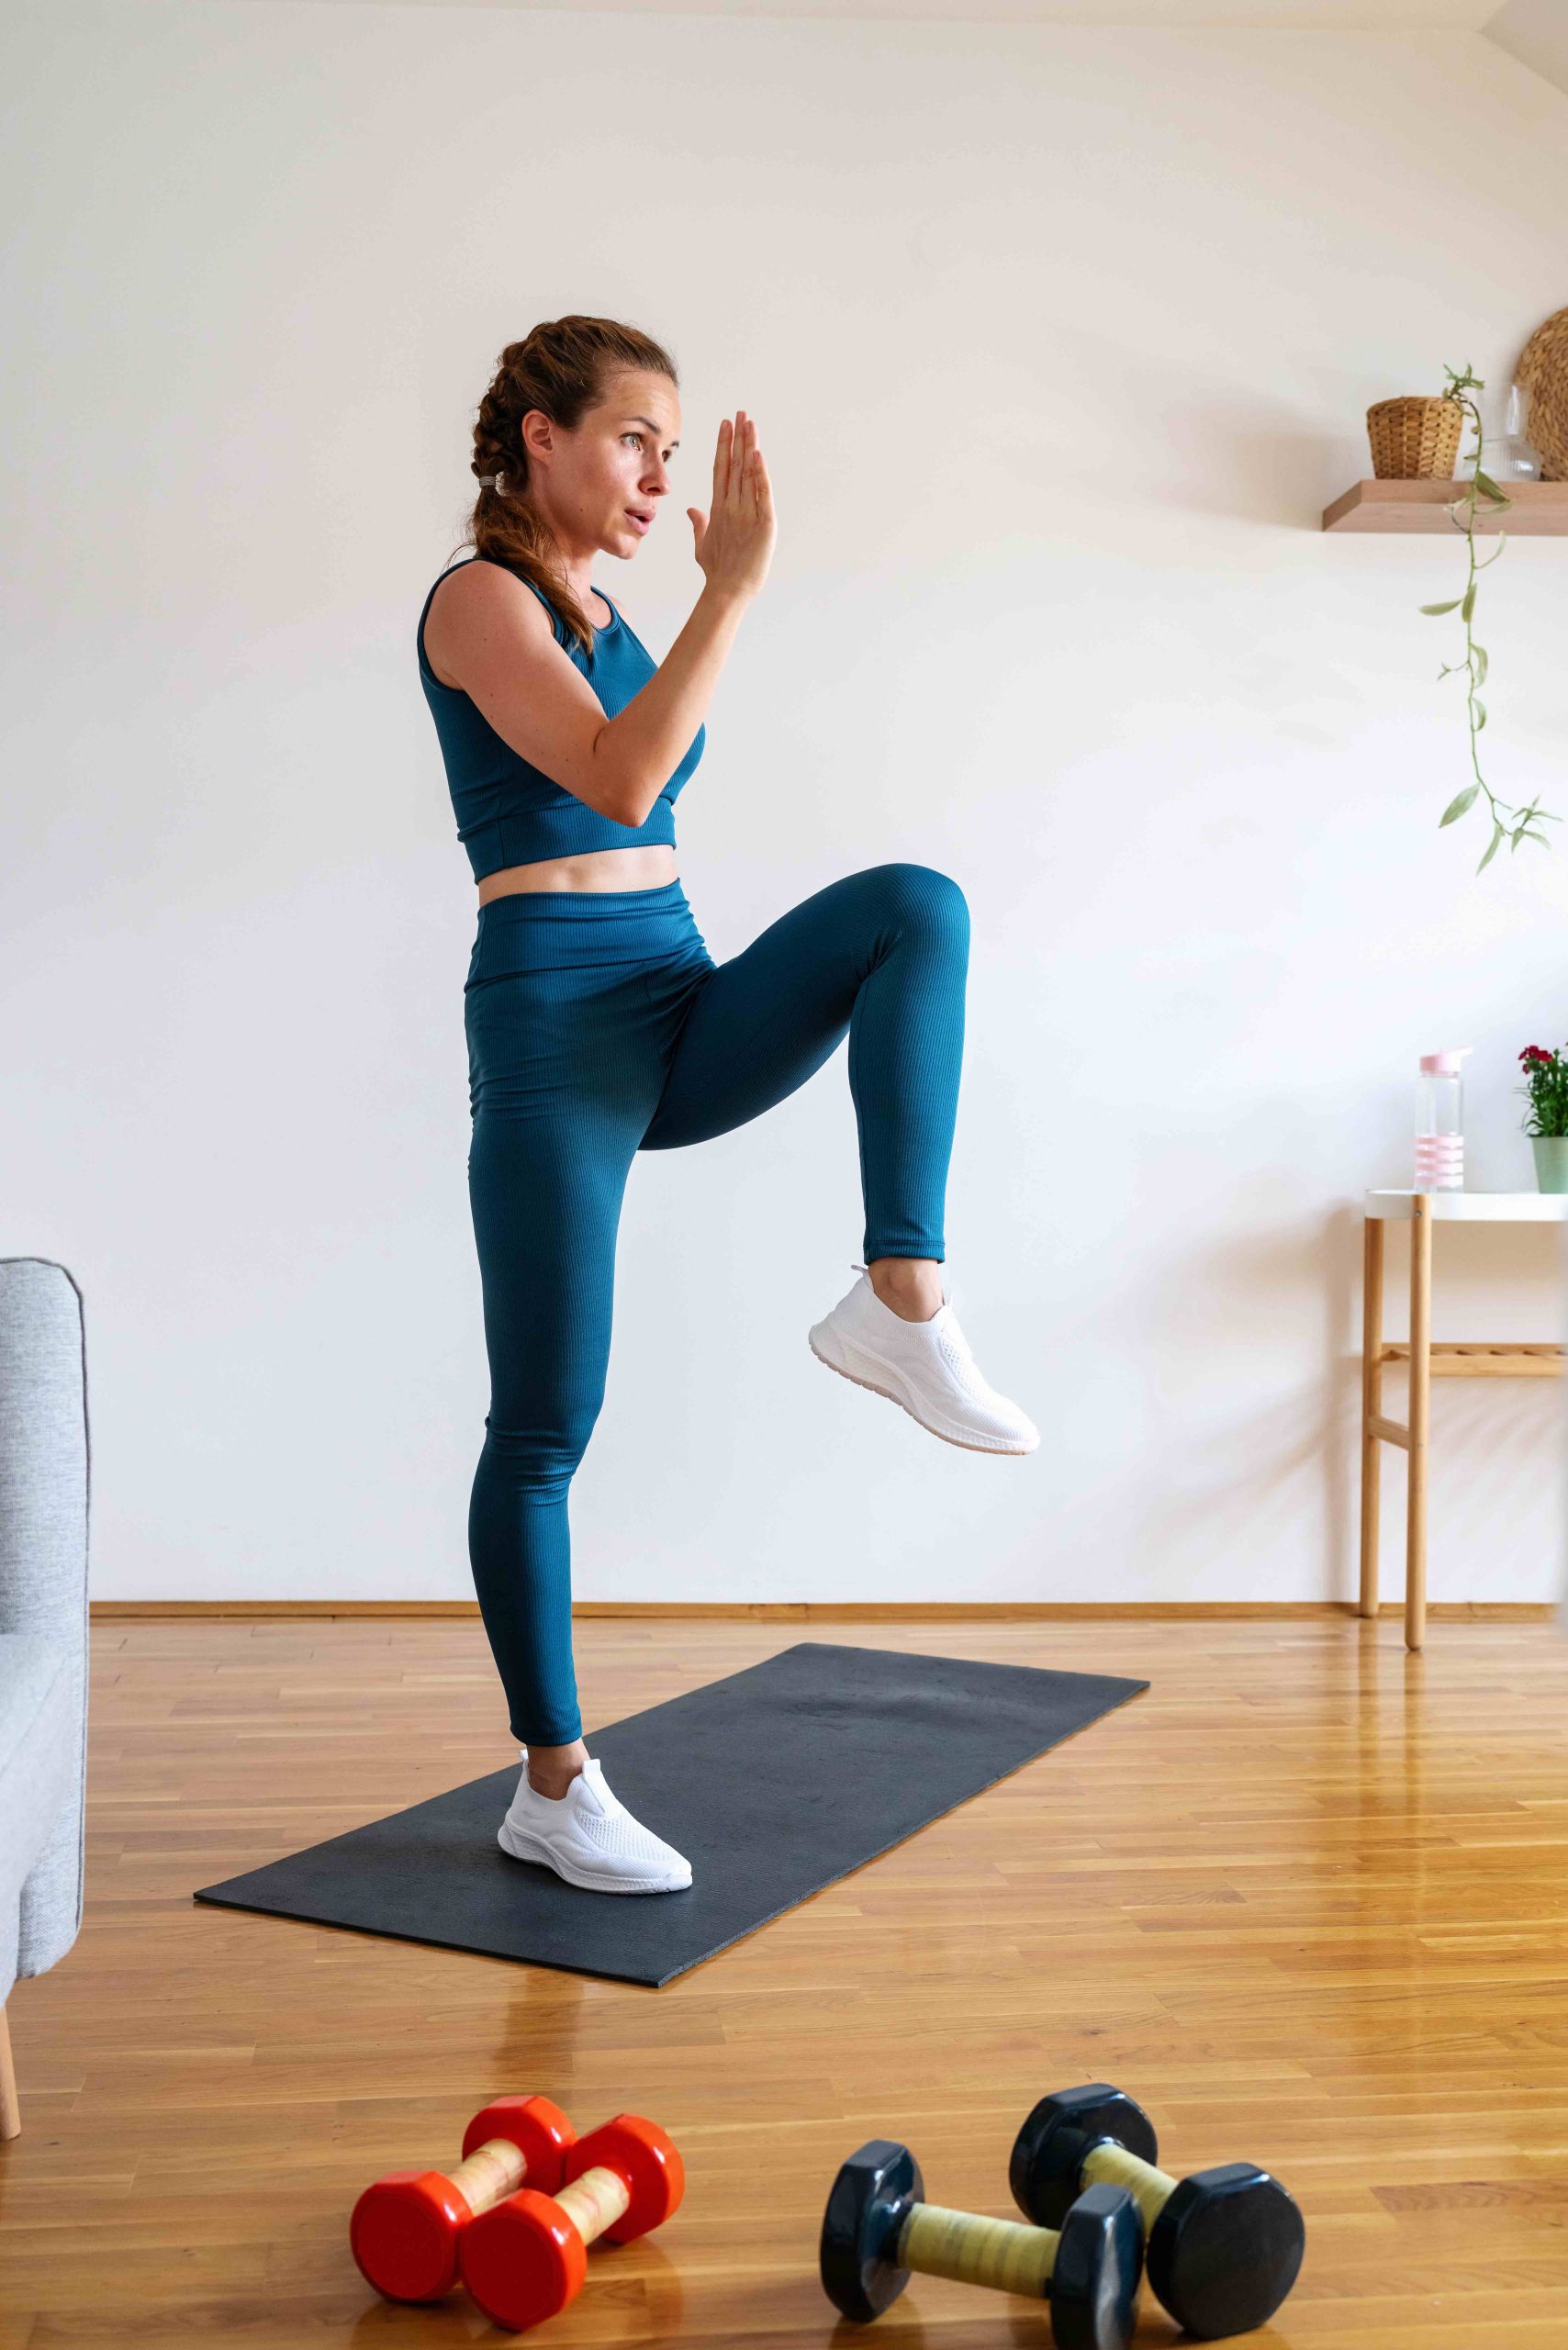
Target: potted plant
1462, 514
1546, 1083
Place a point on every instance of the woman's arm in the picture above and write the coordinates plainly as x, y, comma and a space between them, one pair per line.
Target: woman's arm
644, 743
494, 637
734, 546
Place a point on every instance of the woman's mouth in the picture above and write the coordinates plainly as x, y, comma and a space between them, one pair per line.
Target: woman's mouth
643, 522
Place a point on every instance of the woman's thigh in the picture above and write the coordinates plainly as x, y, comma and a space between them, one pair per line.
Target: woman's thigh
751, 1031
565, 1069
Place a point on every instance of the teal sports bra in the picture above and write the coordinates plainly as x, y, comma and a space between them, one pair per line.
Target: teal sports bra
510, 813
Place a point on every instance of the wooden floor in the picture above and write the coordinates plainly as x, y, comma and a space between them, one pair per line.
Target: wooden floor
1307, 1899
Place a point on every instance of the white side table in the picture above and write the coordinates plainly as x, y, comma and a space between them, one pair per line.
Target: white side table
1446, 1359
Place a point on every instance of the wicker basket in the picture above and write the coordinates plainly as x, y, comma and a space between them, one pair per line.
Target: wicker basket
1415, 440
1543, 372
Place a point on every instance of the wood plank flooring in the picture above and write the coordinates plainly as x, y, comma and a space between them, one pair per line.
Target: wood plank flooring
1307, 1899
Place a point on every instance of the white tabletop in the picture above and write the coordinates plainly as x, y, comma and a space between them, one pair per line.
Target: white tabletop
1475, 1207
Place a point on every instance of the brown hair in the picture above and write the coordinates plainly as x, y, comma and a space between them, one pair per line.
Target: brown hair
561, 367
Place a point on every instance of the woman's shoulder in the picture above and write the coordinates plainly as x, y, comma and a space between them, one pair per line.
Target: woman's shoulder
473, 591
482, 574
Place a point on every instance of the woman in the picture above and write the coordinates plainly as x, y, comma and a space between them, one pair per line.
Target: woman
599, 1025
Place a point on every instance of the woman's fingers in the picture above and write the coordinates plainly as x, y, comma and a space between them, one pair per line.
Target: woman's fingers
738, 469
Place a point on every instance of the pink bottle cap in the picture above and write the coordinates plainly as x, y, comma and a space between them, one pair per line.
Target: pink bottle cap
1445, 1064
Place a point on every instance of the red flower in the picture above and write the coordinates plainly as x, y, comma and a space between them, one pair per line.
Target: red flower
1535, 1053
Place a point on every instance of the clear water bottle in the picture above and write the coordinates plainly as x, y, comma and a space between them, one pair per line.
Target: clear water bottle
1509, 453
1439, 1123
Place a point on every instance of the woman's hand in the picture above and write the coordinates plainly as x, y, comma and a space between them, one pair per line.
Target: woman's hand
734, 544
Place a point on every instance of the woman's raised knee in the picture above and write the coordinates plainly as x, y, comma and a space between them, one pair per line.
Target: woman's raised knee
923, 895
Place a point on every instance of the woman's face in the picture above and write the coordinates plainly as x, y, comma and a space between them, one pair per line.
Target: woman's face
593, 483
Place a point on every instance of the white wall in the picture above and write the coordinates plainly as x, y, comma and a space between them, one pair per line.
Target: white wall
1535, 31
1060, 341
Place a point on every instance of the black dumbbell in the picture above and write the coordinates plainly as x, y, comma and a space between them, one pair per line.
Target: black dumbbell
879, 2229
1224, 2246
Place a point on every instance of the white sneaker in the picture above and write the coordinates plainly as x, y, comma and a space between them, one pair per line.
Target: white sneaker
589, 1838
926, 1367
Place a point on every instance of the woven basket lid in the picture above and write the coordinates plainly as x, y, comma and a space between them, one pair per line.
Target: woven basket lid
1543, 372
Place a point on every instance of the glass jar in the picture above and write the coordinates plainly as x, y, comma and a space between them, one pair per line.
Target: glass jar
1505, 425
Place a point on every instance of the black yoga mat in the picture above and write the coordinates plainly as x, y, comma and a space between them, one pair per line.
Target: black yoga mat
773, 1782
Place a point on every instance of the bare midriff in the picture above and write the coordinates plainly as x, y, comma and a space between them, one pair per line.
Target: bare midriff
647, 867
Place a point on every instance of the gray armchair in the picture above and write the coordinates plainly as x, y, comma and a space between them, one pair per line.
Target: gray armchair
45, 1475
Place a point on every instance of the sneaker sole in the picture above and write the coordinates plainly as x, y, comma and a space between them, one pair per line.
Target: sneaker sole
965, 1443
521, 1847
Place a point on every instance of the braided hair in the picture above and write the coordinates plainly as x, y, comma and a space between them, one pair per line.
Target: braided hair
561, 367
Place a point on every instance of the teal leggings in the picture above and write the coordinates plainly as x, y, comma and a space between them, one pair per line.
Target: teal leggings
599, 1025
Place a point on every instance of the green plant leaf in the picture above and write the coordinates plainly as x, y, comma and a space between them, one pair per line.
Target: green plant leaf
1468, 606
1528, 835
1457, 807
1488, 487
1492, 851
1444, 608
1479, 709
1479, 655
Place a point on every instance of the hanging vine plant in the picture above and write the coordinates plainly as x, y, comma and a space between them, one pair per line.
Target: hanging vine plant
1463, 514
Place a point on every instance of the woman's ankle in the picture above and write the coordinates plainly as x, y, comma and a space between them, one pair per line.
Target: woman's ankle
909, 1287
552, 1768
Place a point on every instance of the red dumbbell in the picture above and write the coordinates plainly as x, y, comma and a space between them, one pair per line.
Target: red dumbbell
525, 2259
406, 2229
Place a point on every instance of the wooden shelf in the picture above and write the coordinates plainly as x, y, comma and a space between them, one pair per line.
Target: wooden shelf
1539, 508
1459, 1358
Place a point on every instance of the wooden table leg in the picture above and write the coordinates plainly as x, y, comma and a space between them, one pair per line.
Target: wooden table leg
1420, 1410
10, 2104
1371, 1402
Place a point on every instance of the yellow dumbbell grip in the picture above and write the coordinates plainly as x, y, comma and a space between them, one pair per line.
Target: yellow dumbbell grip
1113, 2167
935, 2241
